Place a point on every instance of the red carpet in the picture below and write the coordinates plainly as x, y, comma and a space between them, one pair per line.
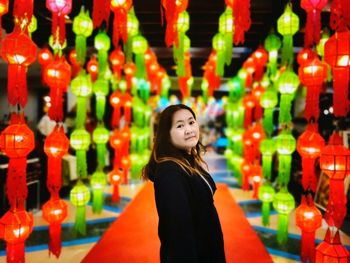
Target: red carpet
133, 237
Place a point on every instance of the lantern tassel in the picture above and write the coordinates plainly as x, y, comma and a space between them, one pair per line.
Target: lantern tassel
229, 47
336, 207
115, 195
312, 27
312, 108
100, 106
100, 12
16, 184
140, 66
266, 166
81, 164
116, 117
17, 84
287, 50
55, 239
220, 63
80, 221
265, 213
284, 165
308, 246
309, 180
97, 201
102, 57
101, 154
80, 47
340, 89
285, 108
15, 252
81, 112
56, 110
54, 180
282, 229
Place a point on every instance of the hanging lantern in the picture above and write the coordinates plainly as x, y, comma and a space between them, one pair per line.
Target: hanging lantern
312, 74
267, 149
80, 196
309, 146
257, 92
226, 28
116, 101
125, 165
272, 44
248, 103
245, 169
287, 26
283, 203
115, 177
266, 195
268, 101
45, 57
19, 51
179, 51
92, 68
82, 27
218, 44
100, 12
257, 135
17, 225
101, 89
80, 142
102, 43
256, 176
59, 9
120, 9
116, 142
139, 47
260, 57
81, 87
98, 182
305, 55
57, 76
129, 70
308, 218
54, 212
100, 136
126, 135
75, 65
337, 55
117, 60
242, 21
235, 88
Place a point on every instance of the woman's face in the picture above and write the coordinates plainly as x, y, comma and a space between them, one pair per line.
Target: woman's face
184, 132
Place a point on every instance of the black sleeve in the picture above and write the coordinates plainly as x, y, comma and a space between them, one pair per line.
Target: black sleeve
175, 218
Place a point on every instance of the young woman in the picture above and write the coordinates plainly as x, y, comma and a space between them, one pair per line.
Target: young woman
189, 228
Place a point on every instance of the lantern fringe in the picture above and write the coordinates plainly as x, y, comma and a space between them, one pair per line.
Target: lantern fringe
81, 112
97, 201
228, 47
115, 194
16, 183
55, 239
127, 48
81, 163
80, 221
312, 27
102, 57
309, 179
266, 166
100, 12
266, 213
312, 103
116, 117
15, 252
17, 85
220, 63
284, 165
80, 47
101, 154
54, 180
56, 110
287, 50
340, 82
285, 108
307, 246
100, 106
282, 229
140, 66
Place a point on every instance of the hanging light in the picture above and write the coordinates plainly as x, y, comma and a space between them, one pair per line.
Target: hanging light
115, 177
266, 195
101, 89
98, 182
100, 136
80, 196
120, 9
102, 43
80, 142
272, 44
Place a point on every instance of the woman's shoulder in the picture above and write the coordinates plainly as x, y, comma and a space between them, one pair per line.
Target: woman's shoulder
168, 169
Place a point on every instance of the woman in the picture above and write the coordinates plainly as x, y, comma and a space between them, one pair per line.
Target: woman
189, 228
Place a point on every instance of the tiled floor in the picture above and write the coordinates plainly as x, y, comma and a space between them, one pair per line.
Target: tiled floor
75, 247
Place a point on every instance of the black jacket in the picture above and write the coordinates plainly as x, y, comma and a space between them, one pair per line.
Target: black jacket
189, 228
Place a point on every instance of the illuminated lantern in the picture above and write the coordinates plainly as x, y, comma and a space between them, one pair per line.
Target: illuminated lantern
288, 83
309, 146
126, 135
117, 60
248, 104
98, 182
268, 149
81, 86
245, 77
82, 27
4, 8
245, 168
182, 25
80, 196
129, 70
312, 74
76, 67
256, 176
45, 57
115, 177
127, 99
337, 55
268, 101
226, 28
59, 9
257, 92
133, 30
143, 89
266, 195
116, 101
16, 225
102, 43
308, 218
272, 44
80, 142
305, 55
313, 9
17, 141
331, 249
139, 47
19, 51
100, 136
101, 89
287, 26
218, 44
54, 212
335, 163
125, 165
260, 57
235, 88
57, 76
257, 135
283, 203
120, 9
250, 66
116, 142
285, 146
92, 68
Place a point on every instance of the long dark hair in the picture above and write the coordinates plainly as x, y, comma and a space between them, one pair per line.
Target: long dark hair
163, 150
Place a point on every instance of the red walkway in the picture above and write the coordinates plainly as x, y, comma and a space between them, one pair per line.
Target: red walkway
133, 237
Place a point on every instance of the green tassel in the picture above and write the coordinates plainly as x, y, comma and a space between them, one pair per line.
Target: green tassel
268, 121
273, 67
285, 108
100, 107
266, 166
220, 63
81, 164
80, 47
140, 66
80, 222
97, 201
287, 50
101, 154
265, 213
128, 50
81, 112
102, 56
282, 229
228, 48
284, 165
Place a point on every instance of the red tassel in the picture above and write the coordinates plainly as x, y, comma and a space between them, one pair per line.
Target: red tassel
308, 246
23, 9
56, 110
17, 84
15, 252
127, 108
340, 91
62, 29
309, 179
120, 26
54, 180
55, 239
115, 194
100, 12
336, 207
116, 117
54, 27
242, 21
16, 183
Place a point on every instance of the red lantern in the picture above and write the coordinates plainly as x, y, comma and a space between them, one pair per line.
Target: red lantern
248, 104
57, 76
120, 30
19, 51
59, 9
17, 226
117, 60
305, 55
242, 21
260, 57
125, 164
126, 135
100, 12
309, 146
245, 168
45, 57
17, 141
76, 67
116, 101
257, 92
127, 103
129, 70
54, 212
115, 177
116, 142
257, 135
312, 74
337, 55
23, 12
308, 219
256, 176
92, 68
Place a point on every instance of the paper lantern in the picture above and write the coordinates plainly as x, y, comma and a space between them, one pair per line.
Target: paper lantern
257, 92
116, 101
125, 165
120, 9
218, 44
17, 225
285, 146
305, 55
80, 142
331, 249
226, 28
308, 218
245, 169
100, 12
59, 9
126, 135
260, 57
54, 212
115, 177
266, 195
256, 177
235, 88
100, 136
129, 70
92, 68
45, 57
309, 146
19, 51
102, 43
283, 203
139, 47
116, 142
101, 89
248, 103
82, 27
75, 65
117, 60
272, 44
337, 55
268, 101
80, 196
242, 21
98, 182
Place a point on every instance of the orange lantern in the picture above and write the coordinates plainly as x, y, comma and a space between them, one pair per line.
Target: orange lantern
92, 68
19, 51
331, 249
116, 101
116, 142
305, 55
117, 59
45, 57
127, 103
115, 177
120, 9
125, 164
248, 104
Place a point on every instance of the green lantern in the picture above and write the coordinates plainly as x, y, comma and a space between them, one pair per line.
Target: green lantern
80, 142
102, 43
80, 196
267, 149
101, 90
204, 88
323, 40
287, 84
226, 28
98, 182
266, 196
268, 101
81, 86
139, 47
144, 89
287, 26
235, 88
219, 45
285, 146
33, 25
179, 55
133, 30
283, 203
82, 27
166, 84
100, 136
272, 44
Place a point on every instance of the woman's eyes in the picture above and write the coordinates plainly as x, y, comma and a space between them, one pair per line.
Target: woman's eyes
182, 125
